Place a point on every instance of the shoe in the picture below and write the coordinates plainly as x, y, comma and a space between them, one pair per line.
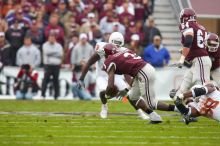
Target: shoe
187, 119
104, 111
142, 115
155, 118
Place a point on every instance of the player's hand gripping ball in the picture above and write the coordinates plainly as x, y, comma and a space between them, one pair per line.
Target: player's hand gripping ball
112, 92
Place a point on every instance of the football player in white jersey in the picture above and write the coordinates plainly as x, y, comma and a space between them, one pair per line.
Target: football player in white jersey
207, 99
102, 77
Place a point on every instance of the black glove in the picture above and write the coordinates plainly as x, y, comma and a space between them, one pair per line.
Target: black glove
122, 93
173, 93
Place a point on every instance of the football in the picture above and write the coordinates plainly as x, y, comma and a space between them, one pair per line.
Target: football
113, 92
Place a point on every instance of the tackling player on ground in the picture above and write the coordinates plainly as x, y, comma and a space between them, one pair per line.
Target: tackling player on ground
102, 78
207, 105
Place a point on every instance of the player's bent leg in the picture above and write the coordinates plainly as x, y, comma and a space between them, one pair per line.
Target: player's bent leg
140, 112
154, 117
166, 107
104, 107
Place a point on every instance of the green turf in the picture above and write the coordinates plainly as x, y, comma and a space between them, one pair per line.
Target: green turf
81, 130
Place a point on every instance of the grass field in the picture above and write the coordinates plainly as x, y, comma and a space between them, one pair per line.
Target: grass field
77, 123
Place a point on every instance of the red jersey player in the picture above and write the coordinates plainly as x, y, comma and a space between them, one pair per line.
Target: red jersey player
212, 44
194, 50
127, 62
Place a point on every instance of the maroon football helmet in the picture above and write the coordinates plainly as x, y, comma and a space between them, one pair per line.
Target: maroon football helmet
110, 49
187, 14
212, 42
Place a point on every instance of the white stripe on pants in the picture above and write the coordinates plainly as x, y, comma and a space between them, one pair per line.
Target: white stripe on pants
143, 86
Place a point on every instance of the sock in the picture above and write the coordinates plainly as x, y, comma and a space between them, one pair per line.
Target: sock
176, 109
132, 103
171, 107
148, 111
184, 110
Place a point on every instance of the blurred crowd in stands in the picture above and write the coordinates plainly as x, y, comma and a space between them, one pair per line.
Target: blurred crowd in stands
27, 27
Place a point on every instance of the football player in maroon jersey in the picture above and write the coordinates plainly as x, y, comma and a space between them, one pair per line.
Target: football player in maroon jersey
127, 62
212, 46
102, 77
194, 50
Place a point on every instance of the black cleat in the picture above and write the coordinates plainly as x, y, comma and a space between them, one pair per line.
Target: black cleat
186, 119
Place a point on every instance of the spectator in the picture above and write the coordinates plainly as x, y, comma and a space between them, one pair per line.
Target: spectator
150, 31
15, 37
53, 27
28, 54
97, 37
127, 8
91, 21
133, 30
127, 11
63, 13
135, 44
106, 22
80, 53
52, 59
36, 34
117, 26
4, 50
156, 54
82, 18
19, 16
6, 7
72, 44
26, 86
141, 9
51, 6
106, 8
72, 28
3, 25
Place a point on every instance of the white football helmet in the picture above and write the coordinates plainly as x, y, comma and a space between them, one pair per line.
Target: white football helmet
117, 39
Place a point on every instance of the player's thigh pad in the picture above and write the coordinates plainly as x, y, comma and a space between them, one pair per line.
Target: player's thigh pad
146, 78
134, 92
201, 69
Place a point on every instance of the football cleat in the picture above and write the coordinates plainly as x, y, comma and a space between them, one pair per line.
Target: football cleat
104, 111
155, 118
142, 115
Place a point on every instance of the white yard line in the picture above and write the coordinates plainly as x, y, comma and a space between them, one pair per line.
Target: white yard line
116, 137
96, 142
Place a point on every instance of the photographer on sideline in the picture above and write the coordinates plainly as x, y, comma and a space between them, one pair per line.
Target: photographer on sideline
26, 86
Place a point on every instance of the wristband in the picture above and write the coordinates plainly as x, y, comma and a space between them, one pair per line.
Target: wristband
182, 58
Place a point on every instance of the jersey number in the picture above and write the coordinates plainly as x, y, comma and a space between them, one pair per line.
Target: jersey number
200, 39
208, 106
134, 56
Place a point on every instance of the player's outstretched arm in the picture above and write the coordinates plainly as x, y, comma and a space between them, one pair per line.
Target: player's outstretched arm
198, 91
111, 79
95, 57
